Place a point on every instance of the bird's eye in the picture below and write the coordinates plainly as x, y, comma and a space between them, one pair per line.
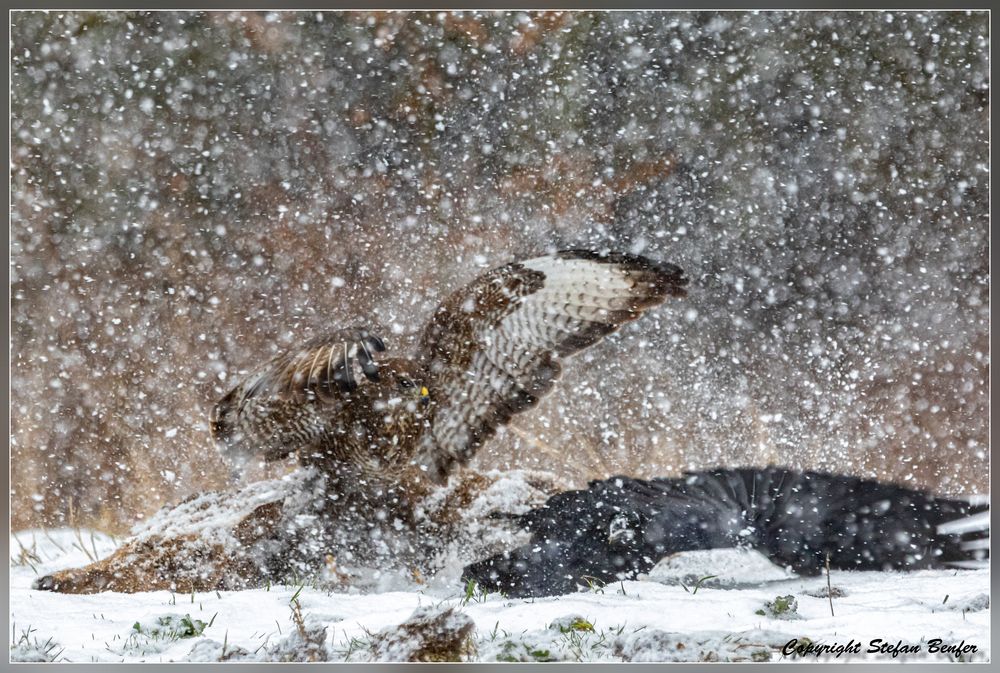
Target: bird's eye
405, 383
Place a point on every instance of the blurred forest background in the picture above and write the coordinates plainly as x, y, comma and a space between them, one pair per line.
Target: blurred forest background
194, 191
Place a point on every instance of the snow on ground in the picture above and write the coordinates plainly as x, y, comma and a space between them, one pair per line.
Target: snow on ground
633, 621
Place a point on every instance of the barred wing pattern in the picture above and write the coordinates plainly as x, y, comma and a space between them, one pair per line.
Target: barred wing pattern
320, 368
493, 349
285, 404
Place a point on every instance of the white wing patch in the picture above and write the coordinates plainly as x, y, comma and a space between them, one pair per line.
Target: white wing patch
516, 346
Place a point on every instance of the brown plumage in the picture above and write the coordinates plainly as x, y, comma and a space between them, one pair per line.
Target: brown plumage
491, 350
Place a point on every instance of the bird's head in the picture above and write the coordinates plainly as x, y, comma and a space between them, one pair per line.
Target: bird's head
402, 385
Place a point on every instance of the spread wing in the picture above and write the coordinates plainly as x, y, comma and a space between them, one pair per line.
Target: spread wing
260, 412
493, 349
319, 369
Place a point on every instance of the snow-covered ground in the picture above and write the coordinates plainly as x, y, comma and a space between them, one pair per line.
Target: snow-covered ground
633, 621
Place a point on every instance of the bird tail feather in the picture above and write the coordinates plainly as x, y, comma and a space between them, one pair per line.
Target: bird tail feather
968, 536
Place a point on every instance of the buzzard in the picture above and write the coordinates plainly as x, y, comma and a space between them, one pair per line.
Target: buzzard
491, 350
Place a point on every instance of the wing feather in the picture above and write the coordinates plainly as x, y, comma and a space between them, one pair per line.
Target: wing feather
319, 369
274, 410
493, 349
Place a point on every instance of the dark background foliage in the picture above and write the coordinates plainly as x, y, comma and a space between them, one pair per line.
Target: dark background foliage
194, 191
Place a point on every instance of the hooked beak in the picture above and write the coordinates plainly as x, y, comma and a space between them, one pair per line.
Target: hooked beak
425, 396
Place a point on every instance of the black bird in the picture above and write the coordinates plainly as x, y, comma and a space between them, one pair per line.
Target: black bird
620, 527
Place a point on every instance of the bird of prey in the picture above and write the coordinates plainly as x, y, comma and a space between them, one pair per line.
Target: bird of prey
492, 349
